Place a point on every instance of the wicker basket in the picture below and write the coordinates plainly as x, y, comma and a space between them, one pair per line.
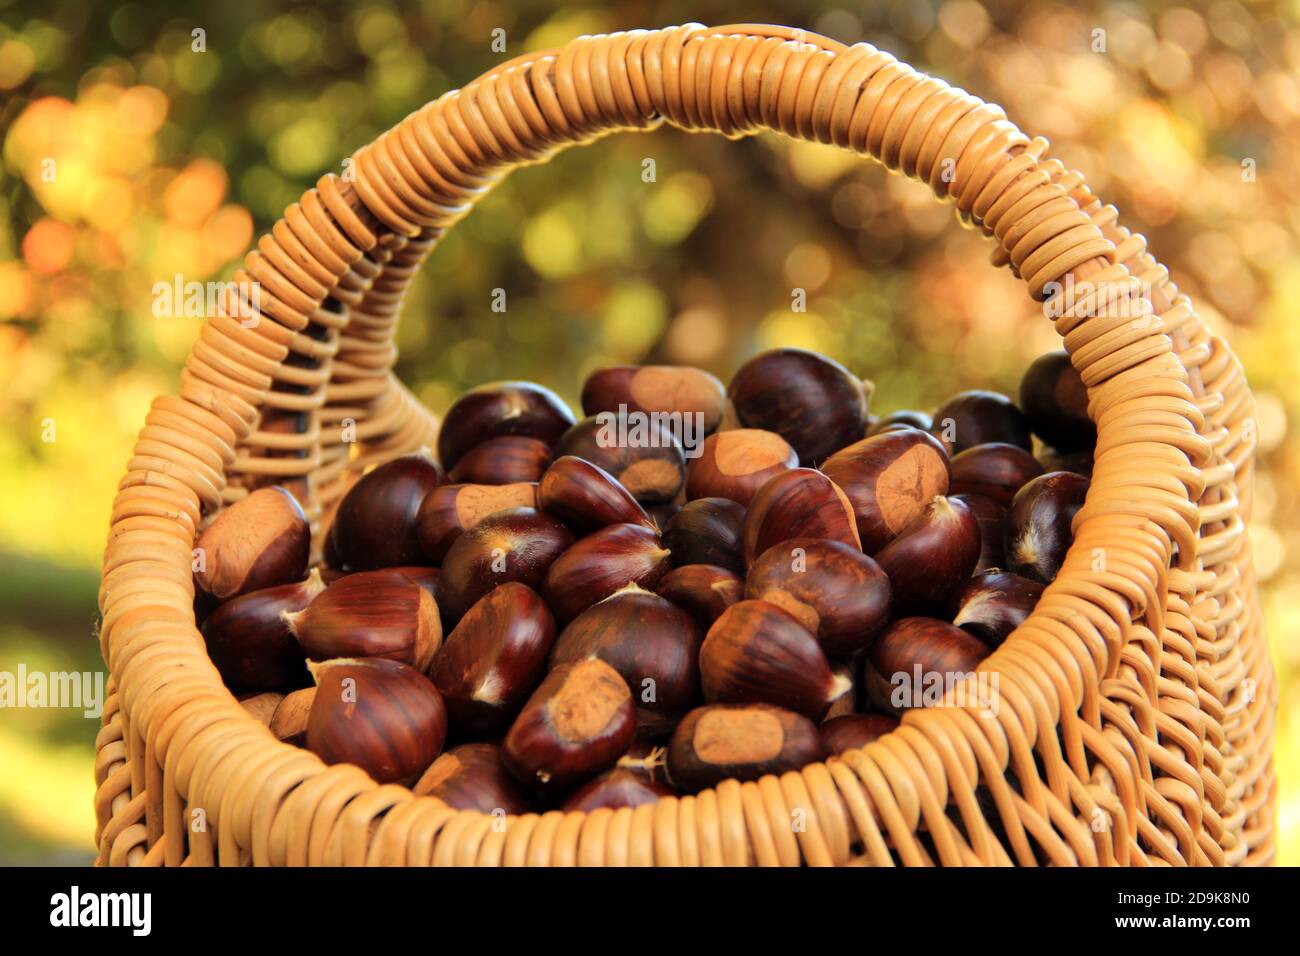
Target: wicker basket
1137, 702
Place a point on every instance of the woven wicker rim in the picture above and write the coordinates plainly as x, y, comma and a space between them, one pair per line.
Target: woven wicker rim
1139, 692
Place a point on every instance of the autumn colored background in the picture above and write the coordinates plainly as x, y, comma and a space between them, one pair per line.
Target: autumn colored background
129, 157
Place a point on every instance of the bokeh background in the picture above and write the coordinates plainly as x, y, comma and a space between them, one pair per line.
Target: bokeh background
172, 161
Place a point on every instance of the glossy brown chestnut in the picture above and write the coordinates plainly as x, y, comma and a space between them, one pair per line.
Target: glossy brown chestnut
586, 497
980, 418
507, 460
757, 652
383, 716
251, 646
800, 503
1055, 403
812, 402
258, 542
735, 464
574, 727
833, 590
708, 531
904, 418
603, 562
289, 722
494, 658
370, 614
916, 660
994, 470
1039, 524
472, 777
653, 644
744, 742
497, 409
703, 591
644, 456
889, 478
451, 510
666, 389
931, 557
993, 604
514, 545
614, 789
852, 731
374, 526
990, 516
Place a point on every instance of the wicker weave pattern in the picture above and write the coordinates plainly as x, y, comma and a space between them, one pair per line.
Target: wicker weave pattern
1136, 704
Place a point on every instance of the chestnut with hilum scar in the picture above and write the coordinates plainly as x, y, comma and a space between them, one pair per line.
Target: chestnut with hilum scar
261, 541
1039, 525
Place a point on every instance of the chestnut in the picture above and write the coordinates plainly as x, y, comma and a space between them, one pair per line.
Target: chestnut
904, 418
289, 722
993, 604
931, 557
258, 542
649, 389
384, 716
575, 726
1055, 403
603, 562
851, 731
735, 464
814, 403
370, 614
1039, 525
653, 644
979, 418
990, 516
614, 789
374, 526
703, 591
507, 460
834, 590
426, 578
251, 646
586, 497
642, 455
472, 777
493, 658
664, 512
889, 479
708, 531
916, 660
847, 702
800, 503
744, 742
518, 544
757, 652
994, 470
497, 409
450, 510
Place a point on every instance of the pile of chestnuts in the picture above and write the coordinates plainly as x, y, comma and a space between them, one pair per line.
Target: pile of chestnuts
692, 583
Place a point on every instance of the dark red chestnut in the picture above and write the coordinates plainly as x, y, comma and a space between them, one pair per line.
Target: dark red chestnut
801, 503
739, 741
889, 479
450, 510
735, 464
653, 644
815, 404
851, 731
383, 716
494, 658
993, 604
642, 455
603, 562
574, 727
834, 590
905, 418
374, 526
251, 646
990, 516
708, 531
757, 652
993, 470
931, 557
498, 409
586, 497
370, 614
472, 777
258, 542
1055, 403
649, 389
507, 460
916, 660
980, 418
614, 789
1039, 524
703, 591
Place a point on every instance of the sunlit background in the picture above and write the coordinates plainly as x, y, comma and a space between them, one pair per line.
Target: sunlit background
169, 161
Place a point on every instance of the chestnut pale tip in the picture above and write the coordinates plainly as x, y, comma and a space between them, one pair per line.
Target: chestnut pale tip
313, 586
